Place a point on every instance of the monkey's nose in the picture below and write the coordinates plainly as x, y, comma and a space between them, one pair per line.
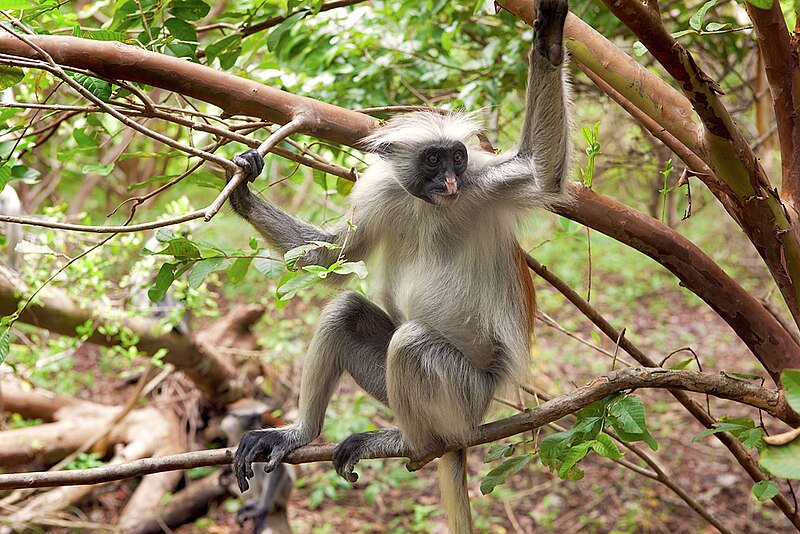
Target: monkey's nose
451, 184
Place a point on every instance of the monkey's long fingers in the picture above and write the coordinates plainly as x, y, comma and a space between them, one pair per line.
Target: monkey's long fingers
251, 163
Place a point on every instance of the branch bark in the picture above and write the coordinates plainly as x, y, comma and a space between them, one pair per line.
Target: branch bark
759, 209
779, 53
234, 95
760, 330
769, 400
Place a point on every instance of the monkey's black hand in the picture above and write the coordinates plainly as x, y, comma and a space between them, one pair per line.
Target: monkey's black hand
274, 443
347, 454
251, 162
549, 29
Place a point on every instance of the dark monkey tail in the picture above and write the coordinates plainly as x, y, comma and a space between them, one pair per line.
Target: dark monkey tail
453, 485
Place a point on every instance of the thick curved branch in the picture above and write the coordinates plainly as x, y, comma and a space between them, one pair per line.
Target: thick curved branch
752, 322
349, 127
234, 95
720, 386
722, 145
779, 53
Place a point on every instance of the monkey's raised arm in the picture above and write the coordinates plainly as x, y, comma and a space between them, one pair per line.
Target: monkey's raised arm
281, 230
534, 174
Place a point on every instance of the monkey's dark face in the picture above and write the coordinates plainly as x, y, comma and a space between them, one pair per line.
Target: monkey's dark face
439, 171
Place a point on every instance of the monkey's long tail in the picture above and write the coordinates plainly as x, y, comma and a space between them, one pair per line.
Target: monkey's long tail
453, 485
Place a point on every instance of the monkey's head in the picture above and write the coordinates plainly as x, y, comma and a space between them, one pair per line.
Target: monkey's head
428, 153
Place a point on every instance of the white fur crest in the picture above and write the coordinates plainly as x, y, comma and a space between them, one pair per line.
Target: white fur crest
425, 127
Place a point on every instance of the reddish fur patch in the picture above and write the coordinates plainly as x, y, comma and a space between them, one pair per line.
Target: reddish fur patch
528, 291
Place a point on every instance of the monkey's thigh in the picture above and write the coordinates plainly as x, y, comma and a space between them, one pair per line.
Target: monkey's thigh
437, 396
353, 335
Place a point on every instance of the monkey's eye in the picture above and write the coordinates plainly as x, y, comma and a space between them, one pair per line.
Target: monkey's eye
432, 159
458, 158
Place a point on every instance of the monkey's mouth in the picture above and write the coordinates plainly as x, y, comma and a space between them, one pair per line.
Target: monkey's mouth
445, 200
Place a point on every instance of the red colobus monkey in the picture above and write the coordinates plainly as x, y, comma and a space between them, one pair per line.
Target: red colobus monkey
436, 215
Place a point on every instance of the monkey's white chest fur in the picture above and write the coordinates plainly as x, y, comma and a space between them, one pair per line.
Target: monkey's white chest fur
449, 267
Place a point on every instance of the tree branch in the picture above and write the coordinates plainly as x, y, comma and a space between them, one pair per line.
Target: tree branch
778, 52
738, 451
720, 386
761, 332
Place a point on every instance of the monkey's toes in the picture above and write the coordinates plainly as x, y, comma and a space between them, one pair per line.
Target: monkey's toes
253, 446
346, 455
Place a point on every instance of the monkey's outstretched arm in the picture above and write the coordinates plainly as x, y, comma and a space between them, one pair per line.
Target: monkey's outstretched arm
536, 172
280, 229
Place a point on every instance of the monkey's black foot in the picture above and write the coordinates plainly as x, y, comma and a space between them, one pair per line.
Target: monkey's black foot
251, 162
347, 454
549, 29
275, 444
249, 510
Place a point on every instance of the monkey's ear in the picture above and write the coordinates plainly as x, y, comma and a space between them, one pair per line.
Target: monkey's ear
385, 150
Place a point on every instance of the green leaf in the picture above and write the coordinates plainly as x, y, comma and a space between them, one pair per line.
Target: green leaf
497, 476
743, 376
239, 269
782, 461
752, 438
357, 268
761, 4
269, 267
682, 365
298, 282
178, 246
205, 267
605, 446
719, 427
5, 342
574, 455
765, 490
102, 170
639, 49
164, 279
292, 256
716, 26
497, 451
629, 413
226, 50
206, 179
596, 337
189, 9
15, 4
99, 88
182, 30
790, 379
104, 35
678, 35
10, 76
696, 22
274, 38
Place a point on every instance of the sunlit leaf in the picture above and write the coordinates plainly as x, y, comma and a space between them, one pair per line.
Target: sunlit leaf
790, 379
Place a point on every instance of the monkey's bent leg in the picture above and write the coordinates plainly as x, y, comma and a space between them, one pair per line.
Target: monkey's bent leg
438, 397
353, 335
